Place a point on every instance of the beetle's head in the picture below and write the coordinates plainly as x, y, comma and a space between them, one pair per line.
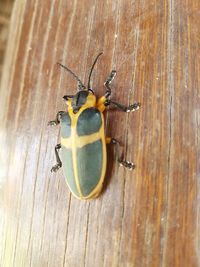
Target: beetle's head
82, 98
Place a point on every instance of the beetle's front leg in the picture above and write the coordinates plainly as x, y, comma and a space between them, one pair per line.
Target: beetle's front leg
108, 82
57, 120
59, 162
130, 108
105, 101
127, 164
101, 104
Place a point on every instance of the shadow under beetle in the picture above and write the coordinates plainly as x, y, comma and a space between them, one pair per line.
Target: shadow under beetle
83, 140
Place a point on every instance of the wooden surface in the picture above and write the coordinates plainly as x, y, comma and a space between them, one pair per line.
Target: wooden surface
148, 217
5, 13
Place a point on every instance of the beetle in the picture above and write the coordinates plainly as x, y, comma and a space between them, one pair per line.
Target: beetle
83, 139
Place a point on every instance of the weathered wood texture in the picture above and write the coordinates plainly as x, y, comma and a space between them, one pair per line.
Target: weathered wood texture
5, 13
148, 217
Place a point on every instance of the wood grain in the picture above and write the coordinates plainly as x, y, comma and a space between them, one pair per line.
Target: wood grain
148, 217
5, 13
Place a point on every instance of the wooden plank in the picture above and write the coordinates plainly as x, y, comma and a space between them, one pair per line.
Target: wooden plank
5, 13
147, 217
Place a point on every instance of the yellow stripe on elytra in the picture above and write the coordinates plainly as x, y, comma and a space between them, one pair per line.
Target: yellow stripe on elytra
78, 141
82, 140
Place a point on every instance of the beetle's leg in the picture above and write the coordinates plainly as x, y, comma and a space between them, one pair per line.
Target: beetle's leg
108, 101
108, 140
59, 163
67, 97
57, 120
101, 103
127, 164
108, 82
130, 108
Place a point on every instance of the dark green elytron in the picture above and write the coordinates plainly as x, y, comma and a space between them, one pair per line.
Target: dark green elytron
83, 140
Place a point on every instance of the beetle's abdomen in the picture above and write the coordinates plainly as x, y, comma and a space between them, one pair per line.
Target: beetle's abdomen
83, 152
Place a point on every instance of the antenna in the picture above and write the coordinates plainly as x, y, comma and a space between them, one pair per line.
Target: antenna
92, 70
73, 74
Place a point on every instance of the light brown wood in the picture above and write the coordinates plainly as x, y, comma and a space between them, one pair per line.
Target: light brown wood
5, 13
147, 217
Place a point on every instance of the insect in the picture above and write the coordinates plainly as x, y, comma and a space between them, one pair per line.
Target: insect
83, 140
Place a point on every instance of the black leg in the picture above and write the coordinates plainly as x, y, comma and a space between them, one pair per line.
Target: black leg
67, 97
57, 120
127, 164
130, 108
59, 163
108, 82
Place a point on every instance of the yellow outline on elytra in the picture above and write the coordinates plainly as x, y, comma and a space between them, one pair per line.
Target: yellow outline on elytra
75, 141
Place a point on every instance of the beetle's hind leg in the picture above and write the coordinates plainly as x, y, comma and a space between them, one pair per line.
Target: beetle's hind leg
127, 164
57, 120
59, 162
